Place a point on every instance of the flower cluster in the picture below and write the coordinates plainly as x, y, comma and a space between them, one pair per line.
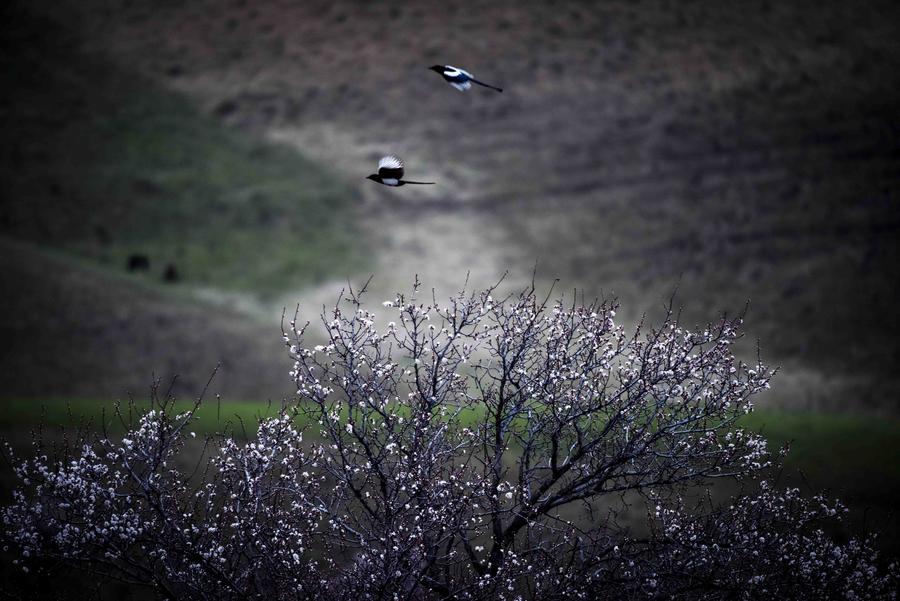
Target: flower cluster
482, 448
768, 545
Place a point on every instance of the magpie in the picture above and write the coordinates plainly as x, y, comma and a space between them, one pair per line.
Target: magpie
390, 172
459, 79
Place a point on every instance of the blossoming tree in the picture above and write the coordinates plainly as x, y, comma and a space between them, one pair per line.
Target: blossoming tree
482, 448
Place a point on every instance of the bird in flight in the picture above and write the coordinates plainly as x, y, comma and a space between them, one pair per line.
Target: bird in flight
390, 173
459, 79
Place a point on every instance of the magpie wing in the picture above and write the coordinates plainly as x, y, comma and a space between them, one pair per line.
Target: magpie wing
456, 75
390, 167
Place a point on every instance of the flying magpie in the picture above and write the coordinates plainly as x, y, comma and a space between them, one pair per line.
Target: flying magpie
459, 79
390, 172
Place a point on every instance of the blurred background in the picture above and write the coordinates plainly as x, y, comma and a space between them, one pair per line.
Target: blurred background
177, 173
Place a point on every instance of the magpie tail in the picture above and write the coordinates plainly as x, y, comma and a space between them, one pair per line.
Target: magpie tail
486, 85
419, 183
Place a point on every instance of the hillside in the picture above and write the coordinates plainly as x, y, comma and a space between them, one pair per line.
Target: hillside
734, 152
737, 153
72, 331
103, 163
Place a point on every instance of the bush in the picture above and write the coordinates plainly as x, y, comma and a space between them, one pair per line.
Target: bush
478, 449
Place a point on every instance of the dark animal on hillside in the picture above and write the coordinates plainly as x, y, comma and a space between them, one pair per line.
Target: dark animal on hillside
171, 273
138, 262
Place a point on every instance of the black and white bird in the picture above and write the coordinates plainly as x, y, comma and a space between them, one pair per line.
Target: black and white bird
390, 173
459, 79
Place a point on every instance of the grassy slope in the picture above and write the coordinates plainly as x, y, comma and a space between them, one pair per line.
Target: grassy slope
75, 330
852, 457
98, 163
102, 163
